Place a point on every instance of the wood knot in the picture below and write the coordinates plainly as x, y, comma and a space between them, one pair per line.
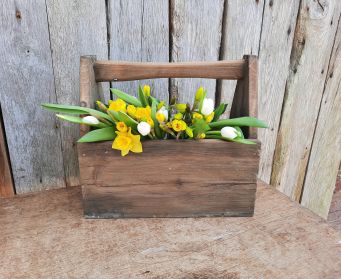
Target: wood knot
18, 14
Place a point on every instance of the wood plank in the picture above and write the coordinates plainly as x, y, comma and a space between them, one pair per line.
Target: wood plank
278, 30
139, 31
241, 35
195, 36
6, 181
179, 189
76, 28
325, 155
33, 135
123, 70
304, 93
267, 245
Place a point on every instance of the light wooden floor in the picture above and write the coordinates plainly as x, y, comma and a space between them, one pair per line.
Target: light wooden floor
44, 236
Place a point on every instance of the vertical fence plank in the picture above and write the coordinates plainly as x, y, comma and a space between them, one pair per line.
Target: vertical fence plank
139, 31
241, 35
196, 36
325, 154
313, 42
76, 28
278, 30
27, 81
6, 182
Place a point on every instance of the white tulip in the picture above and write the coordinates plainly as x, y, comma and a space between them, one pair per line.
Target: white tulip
90, 120
164, 111
143, 128
207, 106
229, 132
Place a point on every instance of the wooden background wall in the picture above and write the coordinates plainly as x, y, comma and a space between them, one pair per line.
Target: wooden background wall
298, 43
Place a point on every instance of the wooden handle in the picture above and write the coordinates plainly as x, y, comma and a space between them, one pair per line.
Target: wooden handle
124, 71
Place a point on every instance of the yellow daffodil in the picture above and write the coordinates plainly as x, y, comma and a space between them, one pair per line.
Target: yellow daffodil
131, 110
181, 107
126, 141
209, 117
201, 136
160, 117
146, 90
178, 116
143, 113
197, 115
121, 126
150, 121
179, 125
118, 105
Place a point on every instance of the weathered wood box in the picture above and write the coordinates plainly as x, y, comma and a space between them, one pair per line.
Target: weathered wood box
185, 178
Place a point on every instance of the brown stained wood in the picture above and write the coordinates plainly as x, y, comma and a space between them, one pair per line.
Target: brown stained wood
282, 240
88, 90
124, 71
245, 100
6, 182
170, 179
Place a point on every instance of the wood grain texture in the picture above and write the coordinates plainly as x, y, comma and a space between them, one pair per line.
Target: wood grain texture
245, 101
282, 240
196, 35
33, 135
123, 70
6, 181
325, 154
171, 179
241, 34
139, 31
304, 93
76, 28
278, 30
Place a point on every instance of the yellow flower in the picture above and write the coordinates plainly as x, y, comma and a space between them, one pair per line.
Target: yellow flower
197, 115
200, 94
143, 113
121, 126
178, 116
179, 125
126, 141
201, 136
150, 121
169, 124
160, 105
118, 105
146, 90
181, 107
160, 117
209, 117
189, 132
131, 110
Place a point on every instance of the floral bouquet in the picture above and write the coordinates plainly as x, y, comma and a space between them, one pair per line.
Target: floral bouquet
128, 120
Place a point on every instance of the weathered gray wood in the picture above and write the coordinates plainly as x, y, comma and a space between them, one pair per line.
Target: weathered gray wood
241, 34
196, 34
325, 155
139, 31
274, 58
27, 80
304, 90
171, 179
76, 28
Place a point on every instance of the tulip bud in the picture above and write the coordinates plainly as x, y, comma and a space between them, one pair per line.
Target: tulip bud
200, 94
229, 132
146, 90
101, 106
181, 107
143, 128
90, 120
207, 106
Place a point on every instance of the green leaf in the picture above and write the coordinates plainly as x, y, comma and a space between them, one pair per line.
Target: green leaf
240, 131
239, 140
157, 129
123, 117
200, 126
126, 97
107, 133
76, 110
142, 97
219, 111
79, 120
241, 121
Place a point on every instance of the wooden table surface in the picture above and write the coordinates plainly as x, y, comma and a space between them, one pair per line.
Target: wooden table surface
44, 235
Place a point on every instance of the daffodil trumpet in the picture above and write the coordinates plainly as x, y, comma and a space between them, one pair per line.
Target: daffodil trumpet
128, 120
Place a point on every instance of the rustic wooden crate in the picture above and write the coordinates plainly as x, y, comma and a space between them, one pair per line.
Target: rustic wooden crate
184, 178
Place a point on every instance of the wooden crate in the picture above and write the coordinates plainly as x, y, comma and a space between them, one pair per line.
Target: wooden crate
184, 178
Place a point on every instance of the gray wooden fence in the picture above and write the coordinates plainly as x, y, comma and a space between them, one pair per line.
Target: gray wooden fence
298, 43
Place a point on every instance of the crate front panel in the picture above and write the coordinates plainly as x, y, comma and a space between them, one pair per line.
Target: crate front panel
169, 179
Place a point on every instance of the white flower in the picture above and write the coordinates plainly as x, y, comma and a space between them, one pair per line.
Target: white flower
91, 120
229, 132
143, 128
164, 111
207, 106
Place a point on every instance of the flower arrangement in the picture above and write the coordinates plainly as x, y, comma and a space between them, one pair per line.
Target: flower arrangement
128, 120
